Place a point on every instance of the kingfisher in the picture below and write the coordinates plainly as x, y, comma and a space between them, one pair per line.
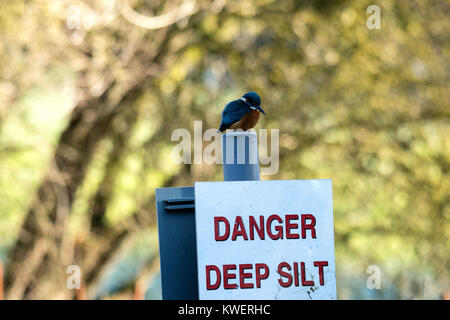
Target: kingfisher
242, 113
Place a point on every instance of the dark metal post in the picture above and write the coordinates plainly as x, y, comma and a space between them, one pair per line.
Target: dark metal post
177, 243
176, 217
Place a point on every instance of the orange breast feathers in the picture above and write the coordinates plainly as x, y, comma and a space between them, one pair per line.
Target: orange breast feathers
247, 122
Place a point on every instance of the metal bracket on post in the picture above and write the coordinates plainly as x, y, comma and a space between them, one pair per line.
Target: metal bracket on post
180, 204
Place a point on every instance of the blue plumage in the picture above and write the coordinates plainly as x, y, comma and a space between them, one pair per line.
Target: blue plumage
240, 109
234, 111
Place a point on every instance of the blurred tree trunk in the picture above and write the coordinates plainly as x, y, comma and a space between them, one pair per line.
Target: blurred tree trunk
46, 217
39, 241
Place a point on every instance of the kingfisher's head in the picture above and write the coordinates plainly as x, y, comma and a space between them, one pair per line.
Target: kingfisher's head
253, 101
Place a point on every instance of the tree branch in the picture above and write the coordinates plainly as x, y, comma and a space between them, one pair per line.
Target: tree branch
186, 9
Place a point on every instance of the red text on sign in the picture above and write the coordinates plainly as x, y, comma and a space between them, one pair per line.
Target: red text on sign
248, 276
273, 227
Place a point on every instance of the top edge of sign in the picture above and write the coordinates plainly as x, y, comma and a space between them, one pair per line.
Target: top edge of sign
263, 181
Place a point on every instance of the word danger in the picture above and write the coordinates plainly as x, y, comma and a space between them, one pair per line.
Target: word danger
273, 227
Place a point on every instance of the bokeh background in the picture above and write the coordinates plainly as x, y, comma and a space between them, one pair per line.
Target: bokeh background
90, 92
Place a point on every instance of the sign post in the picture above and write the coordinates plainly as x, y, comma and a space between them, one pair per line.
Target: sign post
240, 156
265, 240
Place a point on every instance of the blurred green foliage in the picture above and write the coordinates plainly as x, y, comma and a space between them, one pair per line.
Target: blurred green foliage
367, 108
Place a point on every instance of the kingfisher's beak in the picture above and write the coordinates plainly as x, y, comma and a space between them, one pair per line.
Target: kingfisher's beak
260, 109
